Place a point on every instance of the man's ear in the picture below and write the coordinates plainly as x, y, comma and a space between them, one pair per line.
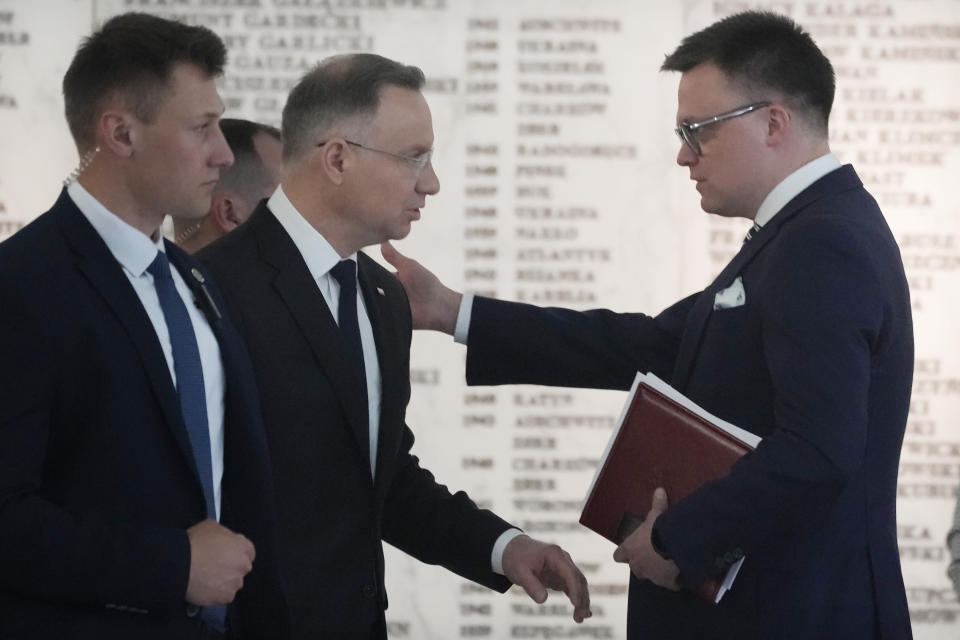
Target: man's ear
225, 213
332, 160
114, 132
779, 124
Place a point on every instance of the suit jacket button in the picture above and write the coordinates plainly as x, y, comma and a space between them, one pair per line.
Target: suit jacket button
192, 610
369, 591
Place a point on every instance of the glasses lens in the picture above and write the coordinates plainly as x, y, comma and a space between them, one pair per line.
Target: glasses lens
688, 137
421, 160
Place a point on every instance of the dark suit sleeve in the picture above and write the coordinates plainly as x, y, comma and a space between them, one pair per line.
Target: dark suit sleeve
515, 343
422, 518
822, 319
45, 551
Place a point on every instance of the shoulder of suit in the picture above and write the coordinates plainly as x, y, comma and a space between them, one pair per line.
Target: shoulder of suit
852, 239
34, 241
227, 246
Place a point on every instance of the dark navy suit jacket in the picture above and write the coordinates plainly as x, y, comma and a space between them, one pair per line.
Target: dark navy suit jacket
819, 362
333, 515
97, 479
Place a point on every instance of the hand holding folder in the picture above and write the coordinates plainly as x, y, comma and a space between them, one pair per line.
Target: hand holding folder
637, 550
662, 440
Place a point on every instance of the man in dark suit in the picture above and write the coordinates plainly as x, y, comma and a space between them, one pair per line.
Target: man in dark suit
329, 332
135, 484
805, 339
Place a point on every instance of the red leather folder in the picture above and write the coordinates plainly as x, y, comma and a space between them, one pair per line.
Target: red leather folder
659, 443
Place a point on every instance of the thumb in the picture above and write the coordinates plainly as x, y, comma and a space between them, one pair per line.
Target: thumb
391, 255
659, 503
620, 555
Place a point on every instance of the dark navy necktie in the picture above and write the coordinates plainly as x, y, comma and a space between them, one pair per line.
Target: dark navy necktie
345, 273
190, 389
751, 232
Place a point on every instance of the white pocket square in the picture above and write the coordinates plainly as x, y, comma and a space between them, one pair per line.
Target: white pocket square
732, 296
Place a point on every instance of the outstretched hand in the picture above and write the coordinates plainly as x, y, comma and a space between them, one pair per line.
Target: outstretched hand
537, 566
432, 304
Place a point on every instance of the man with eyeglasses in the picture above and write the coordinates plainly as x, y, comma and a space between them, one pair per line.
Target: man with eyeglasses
805, 339
329, 331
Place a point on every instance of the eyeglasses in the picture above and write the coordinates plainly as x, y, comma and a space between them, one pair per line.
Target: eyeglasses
418, 161
687, 131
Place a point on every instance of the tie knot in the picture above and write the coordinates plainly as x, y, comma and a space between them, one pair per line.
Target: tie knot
160, 267
345, 272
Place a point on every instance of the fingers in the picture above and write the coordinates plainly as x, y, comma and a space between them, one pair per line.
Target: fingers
559, 572
532, 585
391, 255
248, 547
575, 586
537, 566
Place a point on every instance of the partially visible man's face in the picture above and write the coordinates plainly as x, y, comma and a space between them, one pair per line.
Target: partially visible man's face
389, 191
178, 157
731, 150
269, 150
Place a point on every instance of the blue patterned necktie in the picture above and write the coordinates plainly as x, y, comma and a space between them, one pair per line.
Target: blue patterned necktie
190, 389
751, 232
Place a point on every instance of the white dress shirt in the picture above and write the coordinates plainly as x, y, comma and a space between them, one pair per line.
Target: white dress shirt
135, 252
321, 258
791, 186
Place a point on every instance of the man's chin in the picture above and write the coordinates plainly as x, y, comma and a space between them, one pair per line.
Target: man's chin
197, 211
401, 231
707, 206
715, 208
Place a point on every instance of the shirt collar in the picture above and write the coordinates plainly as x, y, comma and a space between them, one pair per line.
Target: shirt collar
133, 249
319, 255
793, 184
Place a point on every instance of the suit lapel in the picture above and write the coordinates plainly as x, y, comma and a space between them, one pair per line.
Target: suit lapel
241, 404
302, 297
103, 272
197, 283
700, 313
227, 343
841, 179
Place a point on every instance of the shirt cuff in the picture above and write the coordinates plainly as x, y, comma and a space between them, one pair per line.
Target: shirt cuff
463, 321
496, 556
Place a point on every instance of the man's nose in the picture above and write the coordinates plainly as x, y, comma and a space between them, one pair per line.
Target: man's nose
428, 182
222, 156
686, 156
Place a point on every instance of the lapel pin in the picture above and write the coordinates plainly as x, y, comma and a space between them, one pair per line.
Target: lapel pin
380, 291
206, 294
